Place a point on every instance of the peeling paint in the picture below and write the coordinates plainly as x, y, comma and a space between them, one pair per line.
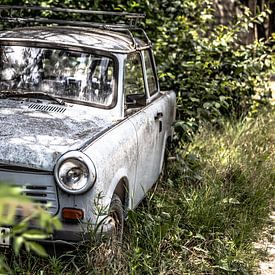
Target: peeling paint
36, 139
105, 39
130, 151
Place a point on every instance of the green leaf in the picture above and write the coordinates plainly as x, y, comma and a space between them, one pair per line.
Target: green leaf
17, 244
194, 99
37, 248
33, 234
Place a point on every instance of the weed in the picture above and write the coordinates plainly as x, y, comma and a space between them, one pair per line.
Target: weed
203, 218
214, 204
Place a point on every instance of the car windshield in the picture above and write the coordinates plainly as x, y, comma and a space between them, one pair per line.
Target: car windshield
61, 73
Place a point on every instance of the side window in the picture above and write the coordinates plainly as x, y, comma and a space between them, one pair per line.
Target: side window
134, 83
151, 78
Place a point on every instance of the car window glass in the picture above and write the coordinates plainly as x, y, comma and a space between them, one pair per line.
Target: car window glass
151, 79
66, 74
134, 83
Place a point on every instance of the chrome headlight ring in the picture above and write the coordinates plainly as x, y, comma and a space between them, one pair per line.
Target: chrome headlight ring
75, 172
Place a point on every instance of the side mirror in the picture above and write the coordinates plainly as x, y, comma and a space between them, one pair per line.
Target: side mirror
135, 100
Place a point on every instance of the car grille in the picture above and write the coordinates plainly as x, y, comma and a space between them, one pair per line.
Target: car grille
44, 196
39, 187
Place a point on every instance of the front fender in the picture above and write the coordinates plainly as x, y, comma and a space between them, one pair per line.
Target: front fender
114, 155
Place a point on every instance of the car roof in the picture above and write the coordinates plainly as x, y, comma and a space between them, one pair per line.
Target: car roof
120, 41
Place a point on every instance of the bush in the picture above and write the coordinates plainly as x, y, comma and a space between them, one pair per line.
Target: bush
213, 73
208, 66
11, 200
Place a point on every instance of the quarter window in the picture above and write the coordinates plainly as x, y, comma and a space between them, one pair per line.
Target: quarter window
134, 83
151, 77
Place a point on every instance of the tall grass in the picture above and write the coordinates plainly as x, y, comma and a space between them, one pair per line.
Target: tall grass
202, 219
214, 204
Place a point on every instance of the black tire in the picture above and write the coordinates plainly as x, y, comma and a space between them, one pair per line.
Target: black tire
163, 173
116, 212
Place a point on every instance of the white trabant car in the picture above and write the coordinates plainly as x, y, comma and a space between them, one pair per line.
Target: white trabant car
83, 123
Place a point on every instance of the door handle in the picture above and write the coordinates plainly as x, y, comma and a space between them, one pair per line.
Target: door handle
158, 115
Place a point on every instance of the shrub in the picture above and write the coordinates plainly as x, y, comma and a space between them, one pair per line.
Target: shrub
22, 236
212, 71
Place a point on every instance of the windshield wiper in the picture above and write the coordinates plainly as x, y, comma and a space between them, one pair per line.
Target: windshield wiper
8, 94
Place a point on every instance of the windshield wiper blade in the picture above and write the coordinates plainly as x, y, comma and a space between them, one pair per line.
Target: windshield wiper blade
7, 94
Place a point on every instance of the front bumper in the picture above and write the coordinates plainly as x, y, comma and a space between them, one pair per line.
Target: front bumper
78, 232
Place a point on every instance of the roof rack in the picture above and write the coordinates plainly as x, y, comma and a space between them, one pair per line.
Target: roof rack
28, 15
8, 12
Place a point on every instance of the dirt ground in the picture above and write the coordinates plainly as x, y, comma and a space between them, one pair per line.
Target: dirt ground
267, 248
267, 244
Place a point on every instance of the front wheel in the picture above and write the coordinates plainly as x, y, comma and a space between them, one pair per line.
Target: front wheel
116, 214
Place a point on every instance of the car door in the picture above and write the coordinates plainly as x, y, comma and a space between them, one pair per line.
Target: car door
158, 109
147, 118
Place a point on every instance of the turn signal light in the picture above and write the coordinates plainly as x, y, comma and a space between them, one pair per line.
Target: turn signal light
72, 214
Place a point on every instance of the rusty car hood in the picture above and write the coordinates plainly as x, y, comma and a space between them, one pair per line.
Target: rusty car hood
35, 139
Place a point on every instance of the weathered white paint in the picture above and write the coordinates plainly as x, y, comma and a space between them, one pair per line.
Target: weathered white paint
122, 144
36, 139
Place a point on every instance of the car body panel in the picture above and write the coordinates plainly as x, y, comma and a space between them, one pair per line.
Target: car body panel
36, 139
104, 40
125, 144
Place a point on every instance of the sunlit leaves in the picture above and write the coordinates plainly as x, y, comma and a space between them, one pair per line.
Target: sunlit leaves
12, 203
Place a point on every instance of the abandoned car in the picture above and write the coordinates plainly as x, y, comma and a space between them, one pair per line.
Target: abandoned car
82, 119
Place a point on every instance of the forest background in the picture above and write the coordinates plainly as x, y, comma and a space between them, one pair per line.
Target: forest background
219, 188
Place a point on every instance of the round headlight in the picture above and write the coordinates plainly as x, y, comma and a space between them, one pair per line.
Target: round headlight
75, 172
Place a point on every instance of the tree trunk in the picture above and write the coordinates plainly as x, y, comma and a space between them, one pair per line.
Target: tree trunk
253, 34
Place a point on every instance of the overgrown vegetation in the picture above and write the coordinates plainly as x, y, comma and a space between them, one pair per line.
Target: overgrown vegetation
212, 71
202, 219
12, 201
216, 198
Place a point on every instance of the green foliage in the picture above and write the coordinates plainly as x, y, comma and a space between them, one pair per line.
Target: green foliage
214, 204
22, 236
202, 219
212, 71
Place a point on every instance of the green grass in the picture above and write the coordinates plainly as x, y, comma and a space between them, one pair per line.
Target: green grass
202, 219
214, 204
